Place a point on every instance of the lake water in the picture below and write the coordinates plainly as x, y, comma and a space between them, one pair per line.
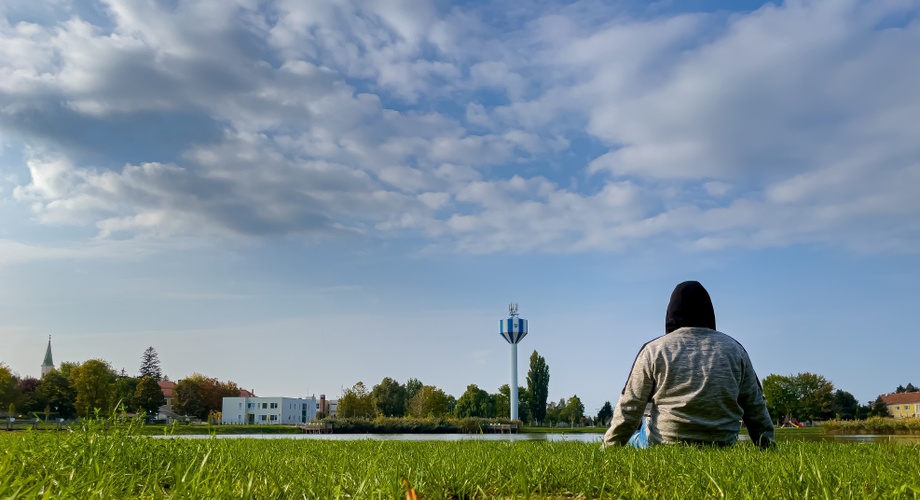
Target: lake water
581, 438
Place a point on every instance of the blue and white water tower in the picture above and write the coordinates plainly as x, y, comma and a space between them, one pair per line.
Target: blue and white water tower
513, 329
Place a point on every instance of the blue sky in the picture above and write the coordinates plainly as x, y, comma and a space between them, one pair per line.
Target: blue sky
297, 196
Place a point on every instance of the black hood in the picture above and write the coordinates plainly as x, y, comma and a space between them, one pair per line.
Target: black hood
690, 306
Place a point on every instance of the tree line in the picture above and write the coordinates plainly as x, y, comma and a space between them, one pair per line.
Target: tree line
806, 397
809, 396
391, 398
84, 389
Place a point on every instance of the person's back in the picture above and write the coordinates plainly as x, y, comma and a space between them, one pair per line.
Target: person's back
699, 382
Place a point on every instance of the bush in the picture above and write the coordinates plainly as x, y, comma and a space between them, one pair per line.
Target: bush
873, 425
400, 425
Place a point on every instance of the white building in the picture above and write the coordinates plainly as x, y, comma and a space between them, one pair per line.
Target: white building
280, 410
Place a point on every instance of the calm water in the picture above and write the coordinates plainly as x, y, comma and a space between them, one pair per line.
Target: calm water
581, 438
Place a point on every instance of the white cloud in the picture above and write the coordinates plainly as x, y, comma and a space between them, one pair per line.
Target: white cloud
792, 124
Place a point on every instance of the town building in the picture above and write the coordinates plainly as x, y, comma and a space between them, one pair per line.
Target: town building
269, 411
903, 405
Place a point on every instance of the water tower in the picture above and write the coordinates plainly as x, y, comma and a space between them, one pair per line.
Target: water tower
513, 330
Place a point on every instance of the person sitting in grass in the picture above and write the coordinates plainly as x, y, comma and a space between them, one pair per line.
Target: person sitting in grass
692, 385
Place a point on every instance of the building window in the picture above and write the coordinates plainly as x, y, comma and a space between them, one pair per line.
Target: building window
274, 405
264, 405
274, 418
241, 406
262, 417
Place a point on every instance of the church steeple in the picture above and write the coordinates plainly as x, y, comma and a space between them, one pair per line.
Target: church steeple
48, 364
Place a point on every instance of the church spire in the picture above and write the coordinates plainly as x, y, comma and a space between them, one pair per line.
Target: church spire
48, 364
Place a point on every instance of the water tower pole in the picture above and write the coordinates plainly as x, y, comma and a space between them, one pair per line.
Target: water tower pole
513, 330
514, 382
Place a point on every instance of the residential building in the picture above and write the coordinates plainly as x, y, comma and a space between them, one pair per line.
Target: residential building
327, 406
268, 411
166, 412
903, 405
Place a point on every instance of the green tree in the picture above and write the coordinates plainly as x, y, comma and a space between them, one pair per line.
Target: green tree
501, 401
555, 412
28, 399
56, 394
390, 398
451, 404
605, 414
538, 386
413, 385
198, 395
805, 396
94, 383
574, 410
780, 396
148, 397
429, 401
7, 386
475, 402
502, 404
356, 403
190, 397
124, 392
150, 365
878, 408
815, 395
844, 405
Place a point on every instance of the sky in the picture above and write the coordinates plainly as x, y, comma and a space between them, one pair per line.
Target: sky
297, 196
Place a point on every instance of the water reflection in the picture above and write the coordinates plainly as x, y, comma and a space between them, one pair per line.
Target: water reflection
554, 438
581, 438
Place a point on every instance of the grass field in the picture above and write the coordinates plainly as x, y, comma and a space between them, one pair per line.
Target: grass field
119, 464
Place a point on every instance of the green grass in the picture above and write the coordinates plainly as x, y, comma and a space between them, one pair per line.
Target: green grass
119, 464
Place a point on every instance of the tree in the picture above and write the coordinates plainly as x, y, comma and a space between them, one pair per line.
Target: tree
844, 405
815, 394
198, 395
28, 399
150, 365
910, 388
94, 383
574, 410
148, 397
805, 396
390, 398
538, 386
555, 412
429, 401
502, 403
124, 392
412, 387
900, 390
356, 403
605, 414
475, 402
780, 396
878, 408
56, 394
190, 396
7, 386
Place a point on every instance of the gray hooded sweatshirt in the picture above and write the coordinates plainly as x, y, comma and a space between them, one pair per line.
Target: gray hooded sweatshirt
698, 383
